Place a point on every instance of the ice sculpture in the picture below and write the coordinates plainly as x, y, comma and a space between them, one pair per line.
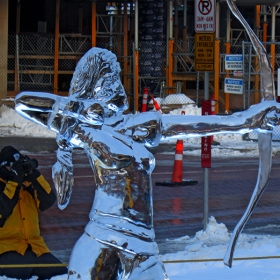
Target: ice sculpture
264, 139
119, 239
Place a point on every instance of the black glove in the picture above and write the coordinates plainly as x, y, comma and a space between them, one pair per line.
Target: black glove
9, 155
17, 169
4, 173
32, 175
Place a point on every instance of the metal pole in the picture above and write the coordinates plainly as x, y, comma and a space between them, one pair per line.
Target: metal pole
206, 85
197, 87
272, 47
135, 58
206, 198
17, 61
217, 20
185, 14
56, 47
227, 99
171, 19
185, 24
111, 33
273, 23
217, 57
206, 171
136, 28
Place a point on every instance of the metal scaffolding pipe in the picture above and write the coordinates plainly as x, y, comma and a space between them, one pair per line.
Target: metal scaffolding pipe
273, 23
257, 2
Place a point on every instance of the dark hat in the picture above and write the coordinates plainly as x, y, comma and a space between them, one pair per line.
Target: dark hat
9, 155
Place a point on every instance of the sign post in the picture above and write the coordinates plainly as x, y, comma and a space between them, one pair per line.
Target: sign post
206, 162
204, 25
206, 141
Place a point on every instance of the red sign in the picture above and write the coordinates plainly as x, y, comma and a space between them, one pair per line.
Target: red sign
206, 141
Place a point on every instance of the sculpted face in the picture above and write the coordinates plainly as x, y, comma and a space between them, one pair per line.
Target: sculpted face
96, 79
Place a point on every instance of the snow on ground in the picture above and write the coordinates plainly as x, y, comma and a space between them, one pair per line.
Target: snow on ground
12, 124
201, 257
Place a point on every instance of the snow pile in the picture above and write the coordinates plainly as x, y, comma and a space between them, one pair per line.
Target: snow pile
213, 242
255, 257
12, 124
189, 109
178, 98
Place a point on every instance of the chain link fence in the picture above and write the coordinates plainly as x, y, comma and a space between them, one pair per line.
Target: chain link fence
71, 49
152, 63
31, 61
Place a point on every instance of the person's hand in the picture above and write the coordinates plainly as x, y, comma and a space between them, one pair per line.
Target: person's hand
262, 116
32, 175
63, 181
270, 120
4, 173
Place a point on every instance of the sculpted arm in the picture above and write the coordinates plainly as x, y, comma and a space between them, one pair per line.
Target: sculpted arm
260, 116
62, 174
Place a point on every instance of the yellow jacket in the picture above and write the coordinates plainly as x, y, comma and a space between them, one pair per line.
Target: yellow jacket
20, 221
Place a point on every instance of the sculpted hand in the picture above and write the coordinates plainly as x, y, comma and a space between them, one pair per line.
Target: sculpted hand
264, 115
62, 174
271, 120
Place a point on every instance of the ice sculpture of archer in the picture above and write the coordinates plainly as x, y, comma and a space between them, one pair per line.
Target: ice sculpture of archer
118, 241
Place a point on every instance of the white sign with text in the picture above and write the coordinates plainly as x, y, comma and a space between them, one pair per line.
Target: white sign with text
204, 15
234, 62
233, 86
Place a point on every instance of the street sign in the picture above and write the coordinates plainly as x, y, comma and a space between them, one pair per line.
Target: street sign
233, 86
234, 62
204, 15
206, 141
204, 51
237, 73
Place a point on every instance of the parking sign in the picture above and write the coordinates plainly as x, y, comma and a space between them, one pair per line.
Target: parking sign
205, 15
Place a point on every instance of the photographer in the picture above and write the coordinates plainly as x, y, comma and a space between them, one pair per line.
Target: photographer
23, 190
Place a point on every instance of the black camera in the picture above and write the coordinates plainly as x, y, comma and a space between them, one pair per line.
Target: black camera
28, 163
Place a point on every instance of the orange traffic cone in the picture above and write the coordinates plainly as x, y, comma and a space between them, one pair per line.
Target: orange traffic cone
145, 100
156, 105
177, 177
178, 163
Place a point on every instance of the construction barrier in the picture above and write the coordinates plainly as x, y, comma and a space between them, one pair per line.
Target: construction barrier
178, 162
145, 100
177, 176
156, 105
213, 105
